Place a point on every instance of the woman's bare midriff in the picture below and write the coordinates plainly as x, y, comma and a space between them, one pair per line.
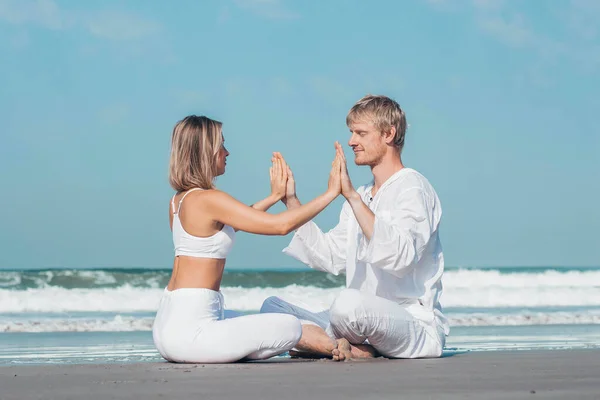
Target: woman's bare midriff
193, 272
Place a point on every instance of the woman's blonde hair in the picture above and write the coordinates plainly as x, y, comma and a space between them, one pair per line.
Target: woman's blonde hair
195, 143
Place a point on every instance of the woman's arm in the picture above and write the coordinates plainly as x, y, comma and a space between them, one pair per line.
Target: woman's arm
266, 203
278, 176
227, 210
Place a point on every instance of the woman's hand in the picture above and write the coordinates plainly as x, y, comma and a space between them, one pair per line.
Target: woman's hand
279, 176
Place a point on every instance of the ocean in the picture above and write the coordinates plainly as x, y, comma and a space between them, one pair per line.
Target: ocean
105, 315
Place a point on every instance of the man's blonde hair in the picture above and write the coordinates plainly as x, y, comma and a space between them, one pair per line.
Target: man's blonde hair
195, 144
383, 112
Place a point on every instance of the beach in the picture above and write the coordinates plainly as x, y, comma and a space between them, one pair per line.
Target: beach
515, 333
558, 374
388, 170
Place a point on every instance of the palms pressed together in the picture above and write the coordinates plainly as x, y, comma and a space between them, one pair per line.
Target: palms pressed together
281, 170
347, 188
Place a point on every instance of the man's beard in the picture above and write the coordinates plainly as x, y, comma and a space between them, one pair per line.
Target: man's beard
371, 159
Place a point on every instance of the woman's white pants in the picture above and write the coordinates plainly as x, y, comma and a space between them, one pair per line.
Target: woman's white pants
191, 327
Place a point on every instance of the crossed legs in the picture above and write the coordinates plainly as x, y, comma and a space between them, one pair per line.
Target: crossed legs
359, 325
315, 341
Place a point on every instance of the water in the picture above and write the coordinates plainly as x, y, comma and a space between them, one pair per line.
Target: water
106, 315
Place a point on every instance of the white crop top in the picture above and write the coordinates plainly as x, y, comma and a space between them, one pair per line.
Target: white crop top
215, 246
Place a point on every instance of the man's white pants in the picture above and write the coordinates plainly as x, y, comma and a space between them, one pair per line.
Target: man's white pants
394, 330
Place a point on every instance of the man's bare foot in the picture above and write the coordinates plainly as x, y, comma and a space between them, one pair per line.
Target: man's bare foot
347, 351
343, 350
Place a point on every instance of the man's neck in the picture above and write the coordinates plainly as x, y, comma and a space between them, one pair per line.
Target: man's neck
389, 165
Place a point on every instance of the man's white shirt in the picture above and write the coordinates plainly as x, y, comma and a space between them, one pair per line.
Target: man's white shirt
402, 262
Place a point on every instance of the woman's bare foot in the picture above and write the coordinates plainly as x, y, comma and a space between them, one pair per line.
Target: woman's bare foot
347, 351
314, 343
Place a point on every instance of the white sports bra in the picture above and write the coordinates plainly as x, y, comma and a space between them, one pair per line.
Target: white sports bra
215, 246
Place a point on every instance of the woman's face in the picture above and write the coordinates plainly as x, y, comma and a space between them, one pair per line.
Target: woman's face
222, 158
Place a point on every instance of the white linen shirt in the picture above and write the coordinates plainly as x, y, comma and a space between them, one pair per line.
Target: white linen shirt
403, 262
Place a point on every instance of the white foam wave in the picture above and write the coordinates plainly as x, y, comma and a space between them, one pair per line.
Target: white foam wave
10, 279
462, 288
481, 279
130, 299
117, 324
480, 288
128, 324
56, 299
540, 318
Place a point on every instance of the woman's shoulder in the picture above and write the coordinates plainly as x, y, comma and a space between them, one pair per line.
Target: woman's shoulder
208, 195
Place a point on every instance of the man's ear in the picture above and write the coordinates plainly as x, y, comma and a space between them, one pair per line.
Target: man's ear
389, 135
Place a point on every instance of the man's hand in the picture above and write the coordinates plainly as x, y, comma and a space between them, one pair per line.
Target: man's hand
362, 213
348, 190
290, 199
290, 189
334, 185
278, 175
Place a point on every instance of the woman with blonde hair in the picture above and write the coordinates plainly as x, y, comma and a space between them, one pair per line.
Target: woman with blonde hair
190, 325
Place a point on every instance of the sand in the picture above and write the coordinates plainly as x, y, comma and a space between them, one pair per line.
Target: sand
560, 374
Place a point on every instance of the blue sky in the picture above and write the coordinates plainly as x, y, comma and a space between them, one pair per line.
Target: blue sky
501, 98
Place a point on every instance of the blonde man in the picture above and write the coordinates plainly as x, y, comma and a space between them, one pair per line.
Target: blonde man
386, 242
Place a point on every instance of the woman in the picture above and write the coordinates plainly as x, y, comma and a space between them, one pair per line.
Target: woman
190, 324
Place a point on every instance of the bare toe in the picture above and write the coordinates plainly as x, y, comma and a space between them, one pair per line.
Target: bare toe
344, 349
336, 355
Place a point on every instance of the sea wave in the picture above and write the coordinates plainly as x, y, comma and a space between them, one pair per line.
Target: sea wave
128, 298
123, 323
132, 299
517, 278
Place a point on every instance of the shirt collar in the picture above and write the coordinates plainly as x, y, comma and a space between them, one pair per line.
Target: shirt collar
388, 181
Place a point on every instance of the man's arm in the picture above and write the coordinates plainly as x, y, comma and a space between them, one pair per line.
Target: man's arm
321, 251
291, 202
363, 214
394, 242
400, 236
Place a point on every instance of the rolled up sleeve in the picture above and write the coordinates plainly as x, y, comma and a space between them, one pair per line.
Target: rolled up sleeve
400, 235
321, 251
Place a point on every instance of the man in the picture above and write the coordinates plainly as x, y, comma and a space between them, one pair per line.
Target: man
387, 242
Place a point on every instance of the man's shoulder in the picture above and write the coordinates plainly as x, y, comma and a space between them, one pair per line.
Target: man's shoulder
412, 182
411, 178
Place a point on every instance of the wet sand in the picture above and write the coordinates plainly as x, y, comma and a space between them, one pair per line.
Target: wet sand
560, 374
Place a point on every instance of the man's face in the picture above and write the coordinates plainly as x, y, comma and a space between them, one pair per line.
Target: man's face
367, 142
